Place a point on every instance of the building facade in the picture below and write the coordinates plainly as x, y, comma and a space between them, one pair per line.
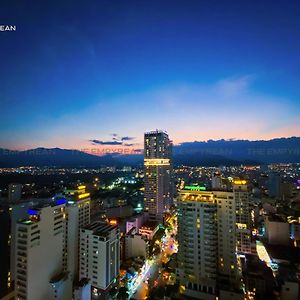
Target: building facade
243, 216
136, 245
277, 230
77, 216
100, 256
39, 250
207, 242
17, 212
14, 192
158, 174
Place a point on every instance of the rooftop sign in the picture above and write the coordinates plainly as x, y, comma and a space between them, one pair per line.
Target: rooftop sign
195, 188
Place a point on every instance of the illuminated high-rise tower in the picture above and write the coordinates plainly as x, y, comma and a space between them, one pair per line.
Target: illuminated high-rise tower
158, 173
243, 217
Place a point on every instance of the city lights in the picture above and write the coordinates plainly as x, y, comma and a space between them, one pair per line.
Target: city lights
150, 150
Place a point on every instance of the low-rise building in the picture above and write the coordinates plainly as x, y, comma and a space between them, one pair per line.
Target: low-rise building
258, 278
136, 245
277, 230
288, 277
135, 222
148, 229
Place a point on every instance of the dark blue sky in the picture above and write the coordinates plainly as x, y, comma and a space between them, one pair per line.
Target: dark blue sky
81, 70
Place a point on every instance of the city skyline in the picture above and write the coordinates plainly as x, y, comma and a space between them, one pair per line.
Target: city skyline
150, 150
198, 71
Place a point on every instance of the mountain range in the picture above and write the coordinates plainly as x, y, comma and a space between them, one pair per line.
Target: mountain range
209, 153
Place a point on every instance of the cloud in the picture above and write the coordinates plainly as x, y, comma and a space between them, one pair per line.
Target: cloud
127, 138
228, 108
116, 140
111, 143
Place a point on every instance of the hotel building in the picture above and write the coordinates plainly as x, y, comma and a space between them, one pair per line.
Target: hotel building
158, 173
207, 239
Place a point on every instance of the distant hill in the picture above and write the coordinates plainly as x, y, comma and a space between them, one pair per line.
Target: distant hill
46, 157
63, 158
210, 153
280, 150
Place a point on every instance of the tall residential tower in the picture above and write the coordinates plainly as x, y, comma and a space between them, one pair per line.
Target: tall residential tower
208, 238
77, 216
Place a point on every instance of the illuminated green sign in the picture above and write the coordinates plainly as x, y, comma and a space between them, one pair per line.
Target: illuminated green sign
195, 188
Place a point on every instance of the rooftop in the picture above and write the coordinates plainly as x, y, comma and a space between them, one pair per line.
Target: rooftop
288, 273
150, 224
255, 267
276, 218
34, 211
25, 222
100, 228
78, 193
154, 132
288, 253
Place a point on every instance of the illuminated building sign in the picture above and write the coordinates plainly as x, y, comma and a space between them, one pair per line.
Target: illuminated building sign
32, 212
240, 182
241, 226
156, 162
195, 188
82, 196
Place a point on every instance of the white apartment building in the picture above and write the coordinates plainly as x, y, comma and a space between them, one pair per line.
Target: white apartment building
207, 242
136, 245
277, 230
17, 212
100, 256
39, 253
77, 216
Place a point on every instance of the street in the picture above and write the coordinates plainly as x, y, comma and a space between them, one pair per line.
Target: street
154, 276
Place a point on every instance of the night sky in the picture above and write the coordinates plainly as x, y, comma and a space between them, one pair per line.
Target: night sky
92, 73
